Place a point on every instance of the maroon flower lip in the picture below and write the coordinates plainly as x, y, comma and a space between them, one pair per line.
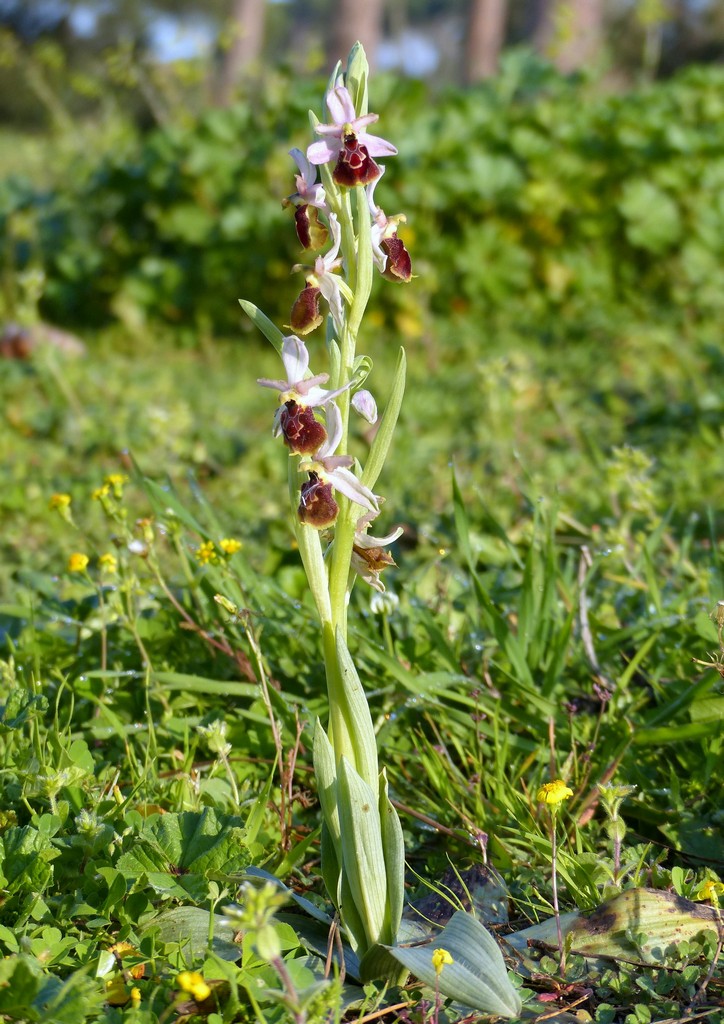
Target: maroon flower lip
317, 506
354, 165
302, 432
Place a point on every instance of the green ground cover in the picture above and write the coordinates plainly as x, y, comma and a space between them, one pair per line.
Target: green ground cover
559, 474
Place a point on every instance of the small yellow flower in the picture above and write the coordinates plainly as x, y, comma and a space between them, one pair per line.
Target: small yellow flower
193, 983
229, 545
206, 553
135, 996
100, 493
440, 957
61, 502
115, 482
108, 563
553, 793
711, 891
78, 562
116, 991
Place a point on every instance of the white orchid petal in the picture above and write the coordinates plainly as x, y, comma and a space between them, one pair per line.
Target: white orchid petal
374, 209
295, 358
318, 396
344, 481
329, 286
363, 540
335, 430
336, 239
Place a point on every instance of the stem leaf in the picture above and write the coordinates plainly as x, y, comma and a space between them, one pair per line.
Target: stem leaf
383, 438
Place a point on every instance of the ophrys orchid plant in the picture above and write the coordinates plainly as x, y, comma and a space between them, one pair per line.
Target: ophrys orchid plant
334, 504
332, 494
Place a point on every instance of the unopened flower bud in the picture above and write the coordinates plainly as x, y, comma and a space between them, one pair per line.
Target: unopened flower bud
363, 402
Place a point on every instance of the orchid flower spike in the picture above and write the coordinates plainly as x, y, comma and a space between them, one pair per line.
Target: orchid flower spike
347, 141
322, 280
299, 395
327, 471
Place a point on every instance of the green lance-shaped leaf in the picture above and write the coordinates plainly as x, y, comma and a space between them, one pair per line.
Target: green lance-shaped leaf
260, 320
393, 849
363, 860
477, 976
325, 772
383, 438
352, 922
350, 714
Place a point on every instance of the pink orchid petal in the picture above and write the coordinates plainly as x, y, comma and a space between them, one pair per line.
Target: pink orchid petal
376, 146
329, 129
278, 385
306, 170
360, 123
340, 105
334, 462
323, 151
306, 388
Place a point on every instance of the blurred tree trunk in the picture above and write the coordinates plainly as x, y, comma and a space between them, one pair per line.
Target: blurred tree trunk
353, 20
245, 39
570, 32
485, 35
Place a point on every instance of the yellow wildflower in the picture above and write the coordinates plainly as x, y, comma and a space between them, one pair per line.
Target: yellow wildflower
229, 545
78, 562
711, 891
553, 793
440, 957
193, 983
116, 991
125, 949
100, 492
206, 553
135, 995
61, 502
108, 563
115, 482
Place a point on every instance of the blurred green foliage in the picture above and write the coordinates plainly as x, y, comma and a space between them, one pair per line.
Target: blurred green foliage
534, 203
